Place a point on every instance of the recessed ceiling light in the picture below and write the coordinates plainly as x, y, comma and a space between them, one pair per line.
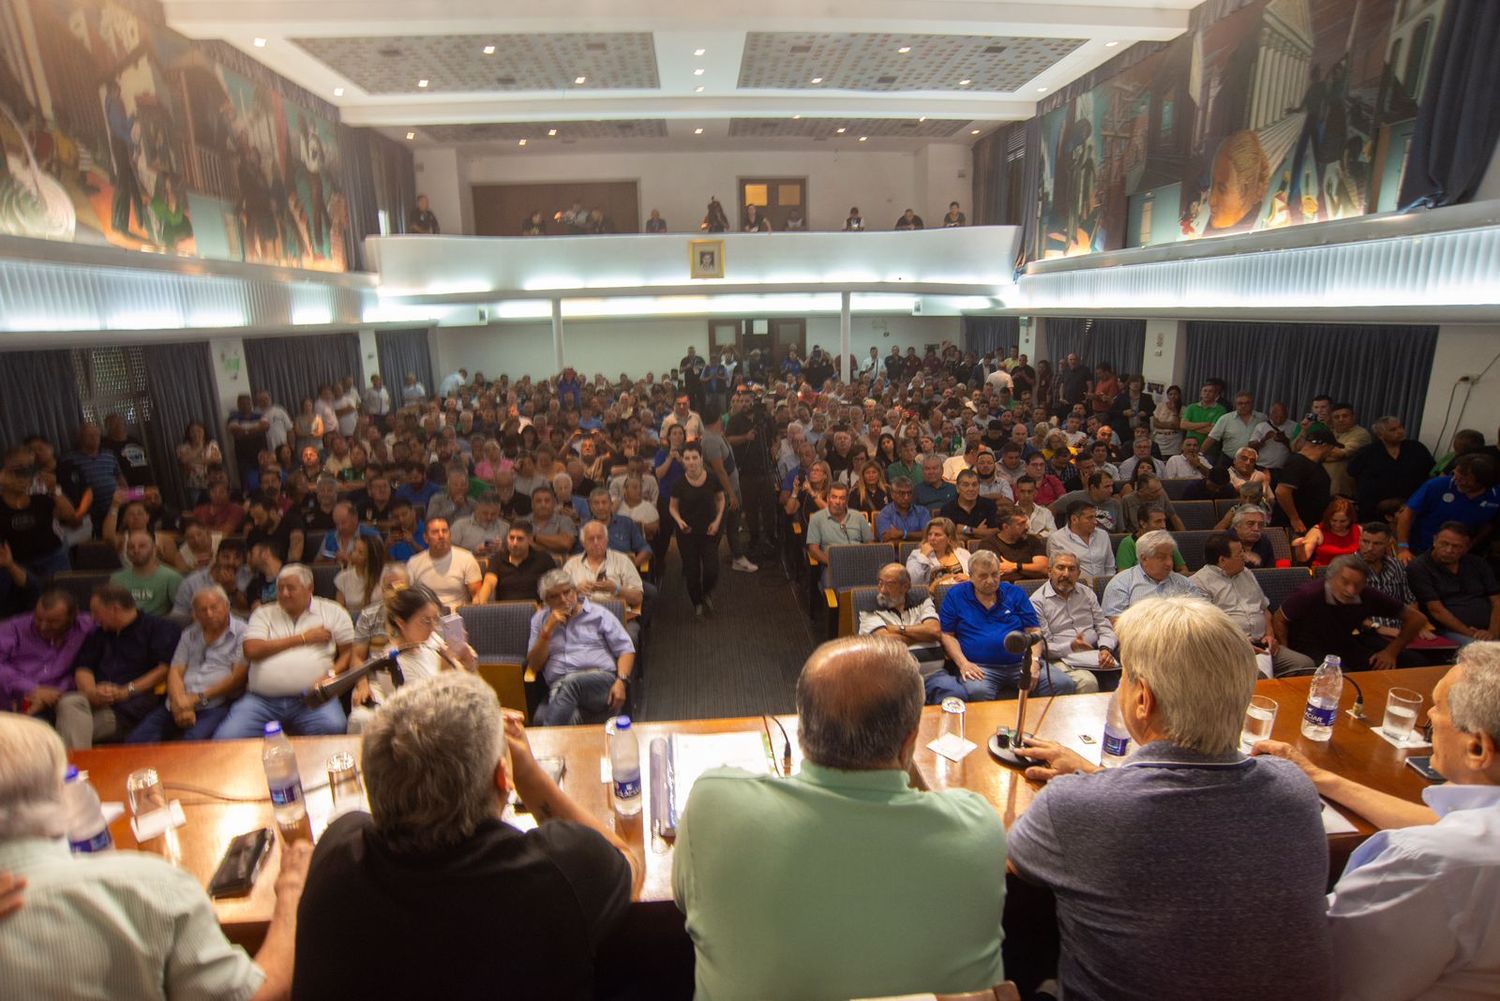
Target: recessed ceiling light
864, 138
922, 119
904, 49
698, 71
697, 90
338, 92
411, 135
489, 50
699, 52
817, 79
840, 130
260, 43
421, 83
552, 132
796, 118
580, 79
1041, 90
520, 142
965, 82
1110, 45
697, 132
973, 132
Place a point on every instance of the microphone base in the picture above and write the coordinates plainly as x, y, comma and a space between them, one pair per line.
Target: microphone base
1002, 746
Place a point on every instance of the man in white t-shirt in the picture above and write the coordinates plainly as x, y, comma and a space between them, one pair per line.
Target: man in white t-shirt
346, 406
1273, 437
377, 399
280, 430
447, 571
998, 380
292, 644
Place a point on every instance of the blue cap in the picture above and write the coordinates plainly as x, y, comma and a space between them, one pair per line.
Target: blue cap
71, 773
273, 728
622, 723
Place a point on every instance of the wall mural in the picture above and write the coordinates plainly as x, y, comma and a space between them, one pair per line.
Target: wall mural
1277, 113
116, 130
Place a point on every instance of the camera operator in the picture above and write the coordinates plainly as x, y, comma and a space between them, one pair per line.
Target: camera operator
749, 432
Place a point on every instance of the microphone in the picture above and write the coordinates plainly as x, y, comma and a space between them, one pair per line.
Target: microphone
1019, 643
322, 694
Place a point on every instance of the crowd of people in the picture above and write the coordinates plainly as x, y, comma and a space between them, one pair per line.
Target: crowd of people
565, 491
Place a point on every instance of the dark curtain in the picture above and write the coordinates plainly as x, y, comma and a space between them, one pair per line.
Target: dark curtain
380, 175
1458, 122
39, 395
403, 351
290, 368
1381, 370
180, 382
983, 334
1122, 343
1030, 193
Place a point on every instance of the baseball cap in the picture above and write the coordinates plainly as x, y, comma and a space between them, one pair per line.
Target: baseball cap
1320, 436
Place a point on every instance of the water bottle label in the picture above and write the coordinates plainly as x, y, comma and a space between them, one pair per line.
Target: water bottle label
628, 788
285, 795
1320, 716
98, 843
1116, 746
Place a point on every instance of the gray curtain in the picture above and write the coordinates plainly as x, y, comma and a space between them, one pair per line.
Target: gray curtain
1381, 370
293, 367
180, 380
400, 352
39, 395
991, 333
1122, 343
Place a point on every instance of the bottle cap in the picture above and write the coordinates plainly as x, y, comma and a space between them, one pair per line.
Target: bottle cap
273, 729
71, 774
622, 723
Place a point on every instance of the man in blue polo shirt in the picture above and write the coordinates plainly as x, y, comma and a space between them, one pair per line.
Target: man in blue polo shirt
976, 617
901, 520
1469, 496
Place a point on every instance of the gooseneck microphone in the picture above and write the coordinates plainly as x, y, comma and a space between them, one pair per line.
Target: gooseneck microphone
338, 687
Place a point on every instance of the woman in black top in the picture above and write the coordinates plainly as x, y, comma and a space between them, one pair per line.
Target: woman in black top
697, 508
26, 518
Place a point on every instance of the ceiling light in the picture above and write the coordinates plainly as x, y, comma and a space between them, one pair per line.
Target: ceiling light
260, 43
698, 72
338, 92
411, 135
840, 130
796, 118
973, 132
1041, 90
965, 82
489, 50
699, 52
697, 90
552, 132
904, 49
817, 79
421, 83
520, 142
922, 119
580, 79
864, 138
1110, 45
697, 132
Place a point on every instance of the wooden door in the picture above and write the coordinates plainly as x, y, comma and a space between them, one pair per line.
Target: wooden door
775, 197
723, 334
786, 333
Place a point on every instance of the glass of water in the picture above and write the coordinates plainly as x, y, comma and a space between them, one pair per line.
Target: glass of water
343, 782
1260, 719
144, 790
954, 712
1401, 707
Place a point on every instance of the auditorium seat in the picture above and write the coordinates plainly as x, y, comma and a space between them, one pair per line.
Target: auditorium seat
94, 555
1197, 516
1177, 489
1279, 582
862, 599
904, 551
80, 584
851, 566
1190, 544
323, 575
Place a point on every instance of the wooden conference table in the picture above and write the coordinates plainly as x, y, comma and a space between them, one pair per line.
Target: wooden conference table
232, 768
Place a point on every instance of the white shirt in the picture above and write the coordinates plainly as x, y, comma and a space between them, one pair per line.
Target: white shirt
1041, 521
618, 569
1417, 912
280, 429
294, 671
998, 380
1232, 433
448, 578
929, 655
1095, 557
642, 514
452, 382
377, 401
1273, 454
348, 422
1179, 468
471, 535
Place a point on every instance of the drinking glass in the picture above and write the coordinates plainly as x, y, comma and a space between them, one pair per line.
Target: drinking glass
1260, 719
144, 790
954, 712
1401, 707
343, 782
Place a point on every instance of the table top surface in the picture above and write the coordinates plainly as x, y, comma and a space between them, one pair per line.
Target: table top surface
232, 769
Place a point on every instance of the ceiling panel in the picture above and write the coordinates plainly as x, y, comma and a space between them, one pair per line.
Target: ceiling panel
567, 132
458, 63
827, 128
874, 62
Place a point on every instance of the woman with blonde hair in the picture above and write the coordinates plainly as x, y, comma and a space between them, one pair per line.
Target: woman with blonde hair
937, 560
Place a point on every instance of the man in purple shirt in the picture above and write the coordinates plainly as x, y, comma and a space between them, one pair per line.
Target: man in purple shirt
37, 652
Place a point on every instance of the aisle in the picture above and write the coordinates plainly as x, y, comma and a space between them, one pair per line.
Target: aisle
742, 661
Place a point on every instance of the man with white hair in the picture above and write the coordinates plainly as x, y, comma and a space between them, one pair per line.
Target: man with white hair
1151, 577
557, 891
1416, 913
976, 617
764, 865
122, 924
292, 644
1188, 839
208, 671
581, 651
602, 572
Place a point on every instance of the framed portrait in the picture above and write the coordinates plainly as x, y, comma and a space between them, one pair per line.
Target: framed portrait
706, 258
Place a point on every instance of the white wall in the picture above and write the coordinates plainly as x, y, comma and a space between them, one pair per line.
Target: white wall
640, 346
881, 184
1463, 349
942, 176
439, 178
1166, 352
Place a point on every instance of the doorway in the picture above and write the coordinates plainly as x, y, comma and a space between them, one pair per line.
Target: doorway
772, 337
777, 198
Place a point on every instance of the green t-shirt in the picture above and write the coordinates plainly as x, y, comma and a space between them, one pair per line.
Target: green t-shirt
154, 594
1199, 414
912, 472
1125, 556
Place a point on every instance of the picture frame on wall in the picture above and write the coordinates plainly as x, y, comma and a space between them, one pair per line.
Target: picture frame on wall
706, 258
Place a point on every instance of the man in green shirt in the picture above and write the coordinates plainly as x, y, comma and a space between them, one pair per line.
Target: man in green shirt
152, 585
851, 878
906, 463
1198, 418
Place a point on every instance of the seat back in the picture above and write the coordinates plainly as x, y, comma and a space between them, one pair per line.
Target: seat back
1223, 506
323, 575
1100, 583
614, 606
1177, 489
1029, 586
1190, 544
1279, 582
939, 593
94, 555
856, 565
862, 599
80, 584
1320, 572
500, 631
904, 551
1281, 542
1197, 516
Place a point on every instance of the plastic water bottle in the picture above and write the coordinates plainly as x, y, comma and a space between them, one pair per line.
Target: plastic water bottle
1323, 700
87, 831
625, 765
1116, 737
285, 782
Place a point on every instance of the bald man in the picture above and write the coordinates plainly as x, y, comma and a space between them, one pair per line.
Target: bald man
763, 864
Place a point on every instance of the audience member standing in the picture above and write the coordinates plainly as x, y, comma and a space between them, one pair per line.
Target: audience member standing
697, 507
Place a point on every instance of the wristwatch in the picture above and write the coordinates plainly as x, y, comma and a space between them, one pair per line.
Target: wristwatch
202, 700
130, 689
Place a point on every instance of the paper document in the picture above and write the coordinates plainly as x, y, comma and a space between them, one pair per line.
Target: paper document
1335, 822
692, 754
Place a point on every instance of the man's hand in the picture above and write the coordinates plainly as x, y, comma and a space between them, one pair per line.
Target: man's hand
968, 671
1383, 660
12, 894
617, 693
713, 528
1405, 556
1483, 634
1056, 760
42, 697
184, 718
317, 636
360, 694
734, 502
522, 761
1278, 749
181, 703
6, 559
293, 875
1079, 644
1107, 660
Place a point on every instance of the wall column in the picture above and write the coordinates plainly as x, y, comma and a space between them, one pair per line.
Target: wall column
557, 335
846, 337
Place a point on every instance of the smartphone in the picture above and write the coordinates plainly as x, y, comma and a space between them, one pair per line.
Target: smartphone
1422, 765
241, 863
454, 633
134, 493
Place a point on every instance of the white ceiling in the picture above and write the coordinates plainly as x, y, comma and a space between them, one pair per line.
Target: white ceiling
611, 75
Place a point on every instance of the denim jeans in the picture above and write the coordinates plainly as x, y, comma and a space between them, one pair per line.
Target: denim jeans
943, 685
576, 696
159, 726
1005, 678
248, 717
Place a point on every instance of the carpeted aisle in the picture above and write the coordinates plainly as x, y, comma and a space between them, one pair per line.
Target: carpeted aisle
742, 661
